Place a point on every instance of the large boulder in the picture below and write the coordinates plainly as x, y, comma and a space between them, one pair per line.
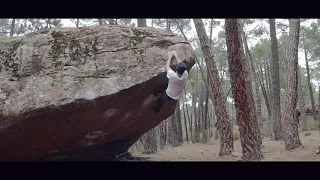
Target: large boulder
82, 93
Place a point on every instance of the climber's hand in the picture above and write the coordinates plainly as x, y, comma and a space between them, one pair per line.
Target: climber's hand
176, 56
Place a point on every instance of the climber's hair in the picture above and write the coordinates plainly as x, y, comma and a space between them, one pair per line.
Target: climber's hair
181, 67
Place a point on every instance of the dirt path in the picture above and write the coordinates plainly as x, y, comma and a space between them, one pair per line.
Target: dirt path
273, 151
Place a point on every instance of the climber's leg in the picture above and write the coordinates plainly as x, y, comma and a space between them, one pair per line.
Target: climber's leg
163, 97
157, 93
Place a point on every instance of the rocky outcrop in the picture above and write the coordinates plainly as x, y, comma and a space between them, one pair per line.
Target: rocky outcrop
82, 93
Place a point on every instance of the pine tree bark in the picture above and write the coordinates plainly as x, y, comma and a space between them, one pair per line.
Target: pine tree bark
249, 79
142, 22
275, 82
242, 94
302, 104
255, 81
310, 86
289, 121
226, 140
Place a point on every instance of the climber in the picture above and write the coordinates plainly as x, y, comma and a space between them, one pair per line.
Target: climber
177, 81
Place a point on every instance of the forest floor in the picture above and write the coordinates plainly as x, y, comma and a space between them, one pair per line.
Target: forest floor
273, 151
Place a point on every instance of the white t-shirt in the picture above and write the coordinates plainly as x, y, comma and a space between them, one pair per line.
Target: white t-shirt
176, 84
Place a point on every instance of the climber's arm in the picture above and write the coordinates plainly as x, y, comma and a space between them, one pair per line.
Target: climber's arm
176, 56
169, 61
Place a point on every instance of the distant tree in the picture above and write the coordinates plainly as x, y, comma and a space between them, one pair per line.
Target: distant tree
77, 22
290, 119
125, 22
142, 22
309, 40
302, 103
275, 82
12, 26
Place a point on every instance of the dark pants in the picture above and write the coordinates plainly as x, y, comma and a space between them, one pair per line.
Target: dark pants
163, 97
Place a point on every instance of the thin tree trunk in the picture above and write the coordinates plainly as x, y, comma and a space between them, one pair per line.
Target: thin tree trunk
179, 123
319, 107
289, 121
100, 21
111, 21
13, 23
310, 85
275, 84
302, 104
205, 119
185, 121
77, 22
242, 93
142, 22
168, 25
266, 100
226, 141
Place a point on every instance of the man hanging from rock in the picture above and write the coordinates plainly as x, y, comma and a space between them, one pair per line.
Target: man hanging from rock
177, 81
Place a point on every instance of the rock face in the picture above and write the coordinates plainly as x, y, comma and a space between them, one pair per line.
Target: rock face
82, 93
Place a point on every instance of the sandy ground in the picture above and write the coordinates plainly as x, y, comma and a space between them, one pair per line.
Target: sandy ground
273, 151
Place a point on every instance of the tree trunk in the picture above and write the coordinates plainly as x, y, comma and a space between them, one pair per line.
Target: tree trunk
289, 121
248, 76
185, 121
162, 135
205, 119
100, 21
242, 93
179, 123
13, 23
310, 85
111, 21
275, 82
150, 142
168, 25
77, 22
319, 107
302, 104
256, 82
266, 100
174, 132
226, 141
142, 22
